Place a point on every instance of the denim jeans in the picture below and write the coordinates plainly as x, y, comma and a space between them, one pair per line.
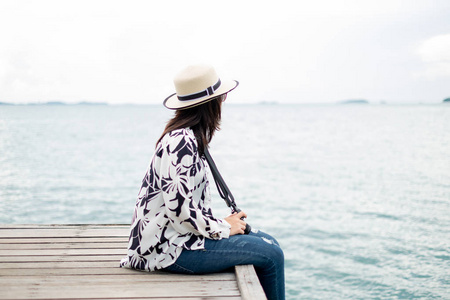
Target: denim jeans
256, 248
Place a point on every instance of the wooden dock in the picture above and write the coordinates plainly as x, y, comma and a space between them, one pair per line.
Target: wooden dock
82, 262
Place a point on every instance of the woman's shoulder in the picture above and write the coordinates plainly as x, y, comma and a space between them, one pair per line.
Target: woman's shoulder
177, 139
186, 132
177, 134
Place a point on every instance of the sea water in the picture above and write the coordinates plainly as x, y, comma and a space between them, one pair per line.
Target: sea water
357, 195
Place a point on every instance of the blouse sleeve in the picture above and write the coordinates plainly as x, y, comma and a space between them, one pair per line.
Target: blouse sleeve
179, 165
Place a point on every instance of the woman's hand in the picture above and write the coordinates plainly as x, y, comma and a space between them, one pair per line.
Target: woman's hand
237, 225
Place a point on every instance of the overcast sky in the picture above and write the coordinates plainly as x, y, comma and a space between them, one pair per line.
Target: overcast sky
284, 51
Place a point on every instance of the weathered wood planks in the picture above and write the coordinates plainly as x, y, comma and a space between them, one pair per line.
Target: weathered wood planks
248, 283
81, 262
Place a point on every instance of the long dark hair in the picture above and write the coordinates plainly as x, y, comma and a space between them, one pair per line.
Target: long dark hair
203, 119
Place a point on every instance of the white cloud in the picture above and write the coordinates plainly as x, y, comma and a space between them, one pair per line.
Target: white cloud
435, 53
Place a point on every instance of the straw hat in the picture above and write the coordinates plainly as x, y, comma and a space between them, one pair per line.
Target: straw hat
196, 85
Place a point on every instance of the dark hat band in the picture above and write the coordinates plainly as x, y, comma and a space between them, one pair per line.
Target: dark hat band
209, 91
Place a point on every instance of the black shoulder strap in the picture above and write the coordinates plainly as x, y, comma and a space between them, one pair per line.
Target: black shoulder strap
222, 187
224, 191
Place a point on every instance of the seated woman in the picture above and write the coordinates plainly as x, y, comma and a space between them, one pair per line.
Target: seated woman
173, 227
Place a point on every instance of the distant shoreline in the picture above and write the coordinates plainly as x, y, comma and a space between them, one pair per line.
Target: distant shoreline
54, 103
261, 103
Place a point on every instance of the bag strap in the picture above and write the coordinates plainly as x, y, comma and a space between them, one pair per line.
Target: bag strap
222, 187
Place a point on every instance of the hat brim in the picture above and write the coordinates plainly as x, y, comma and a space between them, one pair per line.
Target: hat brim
172, 102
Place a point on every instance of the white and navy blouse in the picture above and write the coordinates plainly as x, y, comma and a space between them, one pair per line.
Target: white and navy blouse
173, 209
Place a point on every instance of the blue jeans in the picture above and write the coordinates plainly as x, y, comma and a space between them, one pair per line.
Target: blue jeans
256, 248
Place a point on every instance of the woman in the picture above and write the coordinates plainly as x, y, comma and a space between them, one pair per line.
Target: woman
173, 227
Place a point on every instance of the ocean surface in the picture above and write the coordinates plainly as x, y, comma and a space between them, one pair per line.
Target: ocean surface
357, 195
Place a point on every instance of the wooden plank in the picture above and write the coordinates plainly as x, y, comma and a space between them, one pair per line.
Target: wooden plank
50, 240
64, 233
69, 245
149, 298
62, 252
248, 283
60, 264
184, 298
53, 226
6, 228
62, 258
84, 289
112, 272
172, 298
45, 271
107, 279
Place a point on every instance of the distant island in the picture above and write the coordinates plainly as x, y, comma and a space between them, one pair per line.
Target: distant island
56, 103
354, 101
268, 102
447, 100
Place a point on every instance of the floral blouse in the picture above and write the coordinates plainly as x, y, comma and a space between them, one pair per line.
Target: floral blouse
172, 210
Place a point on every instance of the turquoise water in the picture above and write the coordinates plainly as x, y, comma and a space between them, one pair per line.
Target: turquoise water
357, 195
